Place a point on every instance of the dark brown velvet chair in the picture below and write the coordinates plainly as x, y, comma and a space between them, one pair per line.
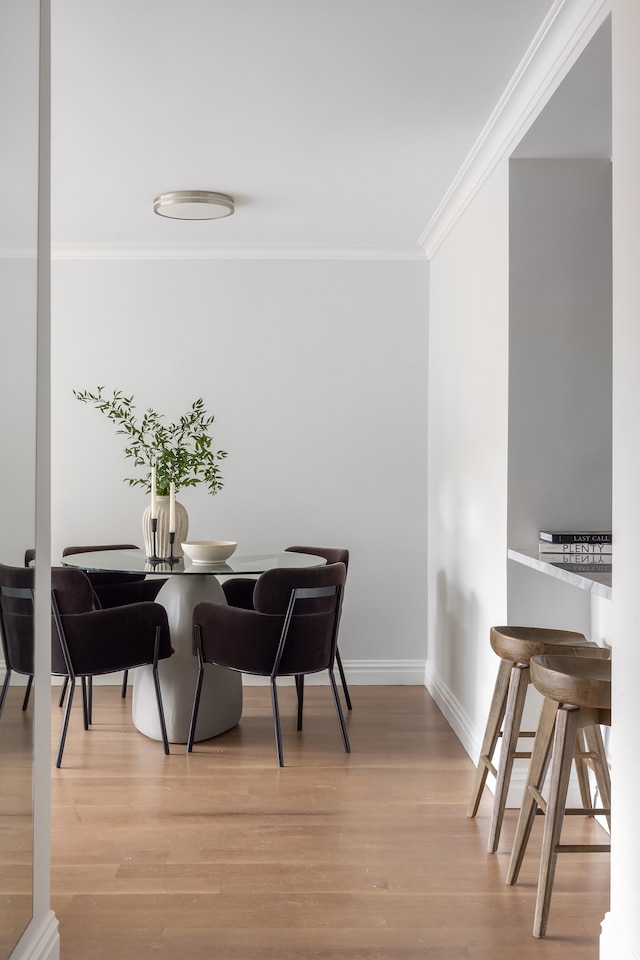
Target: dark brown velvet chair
239, 593
117, 589
82, 640
92, 641
331, 555
16, 621
291, 630
16, 626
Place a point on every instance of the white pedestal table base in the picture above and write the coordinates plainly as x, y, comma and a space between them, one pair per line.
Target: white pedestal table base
221, 698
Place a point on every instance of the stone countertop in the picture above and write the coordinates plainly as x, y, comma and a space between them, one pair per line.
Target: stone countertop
597, 583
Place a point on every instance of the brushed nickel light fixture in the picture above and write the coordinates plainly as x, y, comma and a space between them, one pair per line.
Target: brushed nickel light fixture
193, 205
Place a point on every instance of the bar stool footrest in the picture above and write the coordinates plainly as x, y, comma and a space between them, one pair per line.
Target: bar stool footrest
488, 764
583, 848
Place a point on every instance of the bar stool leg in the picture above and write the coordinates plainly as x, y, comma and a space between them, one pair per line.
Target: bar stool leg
535, 780
491, 734
581, 769
518, 685
595, 747
563, 750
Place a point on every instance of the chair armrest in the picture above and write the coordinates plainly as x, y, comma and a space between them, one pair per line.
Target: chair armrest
118, 638
239, 592
236, 638
133, 591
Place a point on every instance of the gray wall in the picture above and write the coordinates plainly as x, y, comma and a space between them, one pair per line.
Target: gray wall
559, 347
316, 373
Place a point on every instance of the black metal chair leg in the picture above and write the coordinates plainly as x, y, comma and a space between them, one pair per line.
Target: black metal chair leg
196, 705
343, 681
27, 693
156, 683
276, 722
65, 684
125, 680
343, 727
65, 724
300, 691
5, 687
163, 726
86, 703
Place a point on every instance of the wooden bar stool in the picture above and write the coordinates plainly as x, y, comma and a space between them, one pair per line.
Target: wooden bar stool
516, 646
577, 692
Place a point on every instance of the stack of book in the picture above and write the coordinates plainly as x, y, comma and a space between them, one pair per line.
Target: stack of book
586, 551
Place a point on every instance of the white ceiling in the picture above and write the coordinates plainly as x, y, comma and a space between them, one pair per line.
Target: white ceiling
333, 123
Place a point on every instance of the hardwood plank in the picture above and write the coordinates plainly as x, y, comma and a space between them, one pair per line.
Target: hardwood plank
221, 854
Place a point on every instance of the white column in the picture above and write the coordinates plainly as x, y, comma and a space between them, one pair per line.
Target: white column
621, 928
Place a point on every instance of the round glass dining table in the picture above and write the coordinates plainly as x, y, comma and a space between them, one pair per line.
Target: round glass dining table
187, 583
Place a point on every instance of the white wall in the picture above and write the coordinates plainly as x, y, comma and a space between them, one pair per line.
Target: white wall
468, 457
470, 600
18, 407
316, 373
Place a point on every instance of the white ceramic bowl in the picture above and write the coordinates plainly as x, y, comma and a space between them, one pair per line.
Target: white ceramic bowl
209, 551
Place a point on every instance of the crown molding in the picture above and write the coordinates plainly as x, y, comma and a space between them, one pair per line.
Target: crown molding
565, 32
193, 251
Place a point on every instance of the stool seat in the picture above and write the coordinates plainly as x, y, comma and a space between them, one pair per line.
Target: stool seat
520, 644
516, 646
577, 701
582, 682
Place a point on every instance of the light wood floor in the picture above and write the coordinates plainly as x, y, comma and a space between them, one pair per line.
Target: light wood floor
16, 822
221, 855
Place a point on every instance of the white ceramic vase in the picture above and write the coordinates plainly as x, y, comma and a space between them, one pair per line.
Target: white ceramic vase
162, 533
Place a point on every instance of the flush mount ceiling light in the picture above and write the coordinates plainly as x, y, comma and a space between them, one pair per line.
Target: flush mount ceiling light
193, 205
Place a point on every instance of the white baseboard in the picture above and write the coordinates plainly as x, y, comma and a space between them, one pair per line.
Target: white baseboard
361, 673
453, 712
471, 736
358, 673
40, 941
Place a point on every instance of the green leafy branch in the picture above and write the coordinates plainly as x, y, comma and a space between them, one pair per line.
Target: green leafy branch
182, 451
